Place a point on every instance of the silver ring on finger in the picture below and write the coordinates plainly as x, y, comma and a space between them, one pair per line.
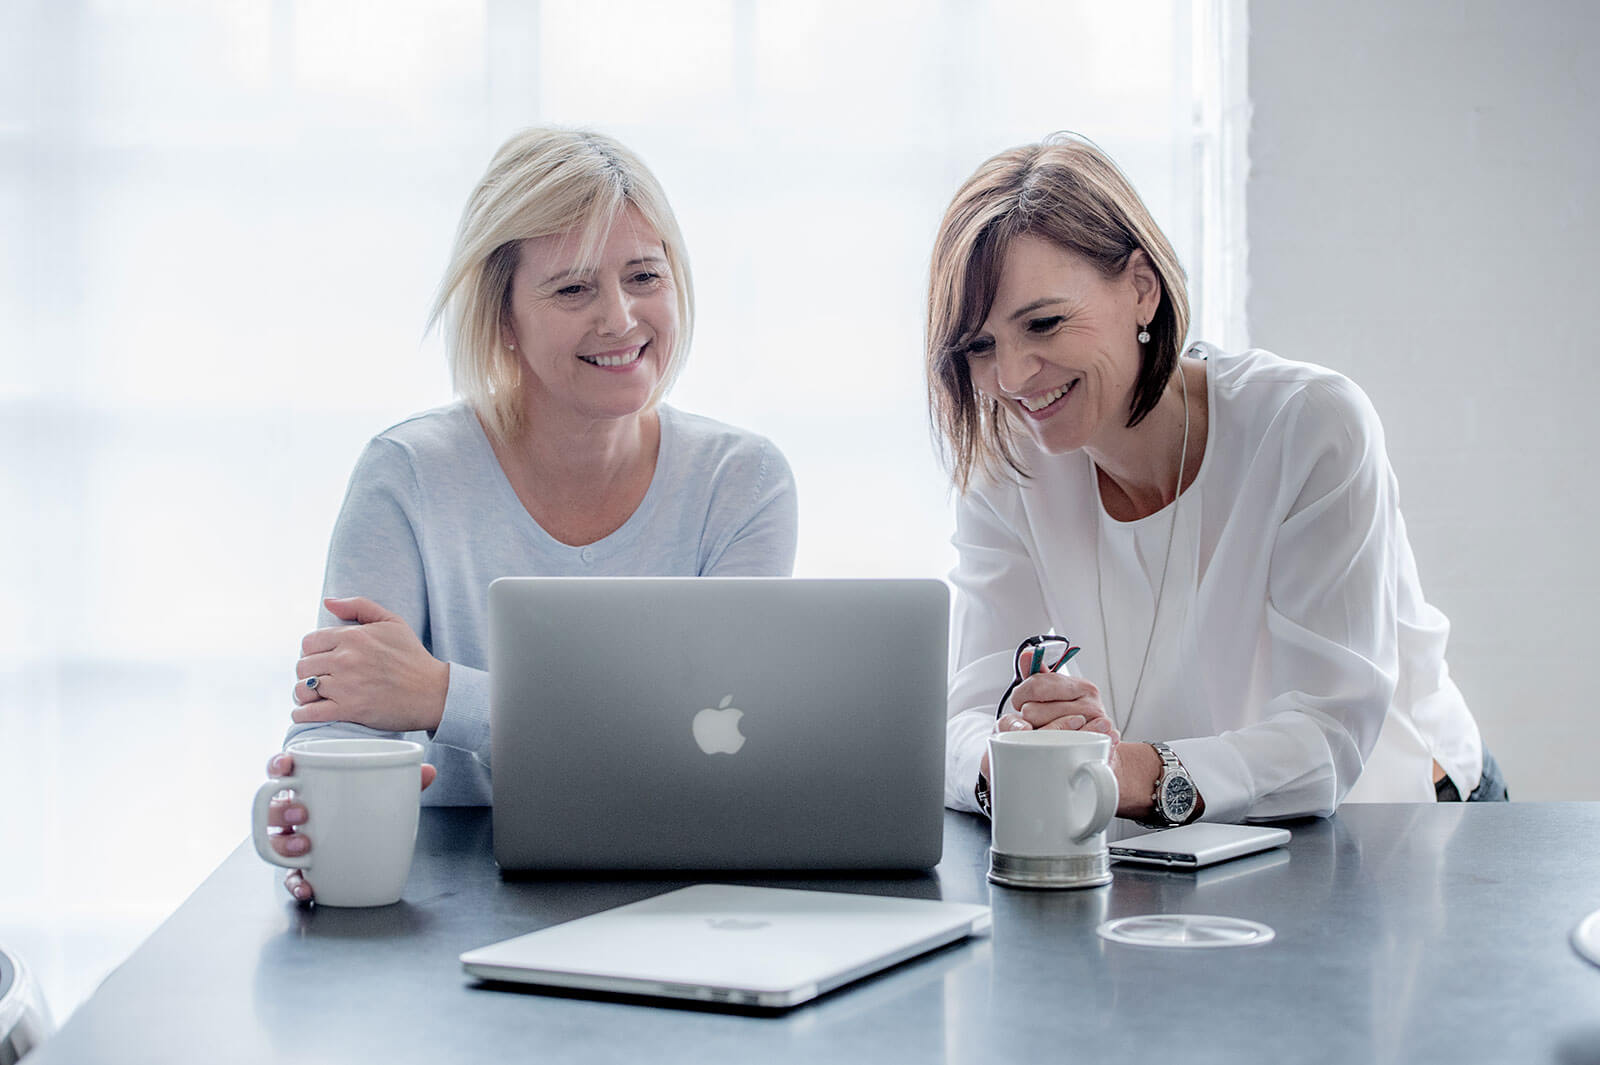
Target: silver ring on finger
312, 684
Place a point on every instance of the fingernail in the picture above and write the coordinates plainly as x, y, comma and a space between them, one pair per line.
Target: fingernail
294, 816
296, 846
1076, 721
301, 891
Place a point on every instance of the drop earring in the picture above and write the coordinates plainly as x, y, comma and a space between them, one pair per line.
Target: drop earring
1144, 335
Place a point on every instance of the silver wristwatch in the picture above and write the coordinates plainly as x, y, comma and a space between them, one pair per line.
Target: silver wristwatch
1175, 797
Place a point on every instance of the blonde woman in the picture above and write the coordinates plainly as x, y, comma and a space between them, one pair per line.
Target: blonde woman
570, 307
1220, 533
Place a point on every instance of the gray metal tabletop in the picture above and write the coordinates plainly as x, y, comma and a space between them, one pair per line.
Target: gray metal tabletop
1404, 933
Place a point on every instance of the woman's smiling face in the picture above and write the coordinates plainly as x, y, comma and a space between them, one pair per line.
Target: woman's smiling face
1060, 346
596, 340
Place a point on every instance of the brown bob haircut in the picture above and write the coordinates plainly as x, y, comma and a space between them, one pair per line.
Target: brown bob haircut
1069, 192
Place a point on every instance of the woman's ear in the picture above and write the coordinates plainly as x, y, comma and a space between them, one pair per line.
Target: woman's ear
1141, 273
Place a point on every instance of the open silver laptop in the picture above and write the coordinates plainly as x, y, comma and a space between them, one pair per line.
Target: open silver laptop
717, 723
753, 946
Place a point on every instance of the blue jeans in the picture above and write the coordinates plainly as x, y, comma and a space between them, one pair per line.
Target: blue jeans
1491, 786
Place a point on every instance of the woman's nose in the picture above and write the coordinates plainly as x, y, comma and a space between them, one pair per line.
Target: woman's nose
616, 313
1013, 367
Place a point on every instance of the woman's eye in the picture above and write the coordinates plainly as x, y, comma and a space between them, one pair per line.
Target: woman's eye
1044, 325
569, 290
977, 349
645, 278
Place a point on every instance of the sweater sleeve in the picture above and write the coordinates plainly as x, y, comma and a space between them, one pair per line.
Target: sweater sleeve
376, 551
997, 604
1331, 621
758, 528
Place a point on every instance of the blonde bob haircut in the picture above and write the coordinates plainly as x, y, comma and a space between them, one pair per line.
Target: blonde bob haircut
1067, 191
543, 182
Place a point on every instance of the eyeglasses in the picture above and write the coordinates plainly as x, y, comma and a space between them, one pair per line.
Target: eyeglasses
1049, 653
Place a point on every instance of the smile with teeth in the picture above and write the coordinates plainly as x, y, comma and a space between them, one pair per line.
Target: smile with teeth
621, 358
1039, 401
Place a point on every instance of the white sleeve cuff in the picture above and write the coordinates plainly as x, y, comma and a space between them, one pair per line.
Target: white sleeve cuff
966, 742
1219, 774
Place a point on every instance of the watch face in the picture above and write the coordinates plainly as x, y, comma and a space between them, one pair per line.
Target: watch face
1177, 797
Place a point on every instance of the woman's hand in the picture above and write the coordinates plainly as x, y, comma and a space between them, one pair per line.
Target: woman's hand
285, 816
1053, 701
1136, 765
375, 673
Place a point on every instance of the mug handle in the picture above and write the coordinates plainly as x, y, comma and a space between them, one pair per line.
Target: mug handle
258, 824
1105, 798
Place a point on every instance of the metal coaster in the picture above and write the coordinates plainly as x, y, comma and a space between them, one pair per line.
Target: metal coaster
1185, 930
1072, 871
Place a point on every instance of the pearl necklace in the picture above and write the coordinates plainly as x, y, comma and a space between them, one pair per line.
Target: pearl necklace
1161, 588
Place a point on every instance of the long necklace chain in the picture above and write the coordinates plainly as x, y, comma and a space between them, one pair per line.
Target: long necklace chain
1177, 496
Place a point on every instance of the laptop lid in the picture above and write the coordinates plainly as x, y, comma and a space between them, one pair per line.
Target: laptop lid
717, 723
752, 946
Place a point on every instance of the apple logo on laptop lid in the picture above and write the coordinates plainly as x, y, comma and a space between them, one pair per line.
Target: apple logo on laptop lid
716, 728
737, 924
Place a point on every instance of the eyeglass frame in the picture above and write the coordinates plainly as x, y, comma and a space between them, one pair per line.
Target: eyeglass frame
1016, 670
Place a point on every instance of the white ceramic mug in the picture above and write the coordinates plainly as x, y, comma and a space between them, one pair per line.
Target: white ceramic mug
1052, 793
362, 799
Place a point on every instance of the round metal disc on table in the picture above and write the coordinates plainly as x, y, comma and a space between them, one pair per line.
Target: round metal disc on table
1185, 930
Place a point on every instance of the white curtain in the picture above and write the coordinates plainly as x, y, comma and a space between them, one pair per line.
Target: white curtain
222, 225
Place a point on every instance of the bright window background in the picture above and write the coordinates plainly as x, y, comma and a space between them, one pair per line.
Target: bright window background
221, 224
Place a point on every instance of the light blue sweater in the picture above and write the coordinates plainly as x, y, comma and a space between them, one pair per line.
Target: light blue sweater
429, 520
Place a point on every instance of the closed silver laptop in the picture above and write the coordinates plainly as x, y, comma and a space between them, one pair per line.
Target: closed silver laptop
717, 723
724, 943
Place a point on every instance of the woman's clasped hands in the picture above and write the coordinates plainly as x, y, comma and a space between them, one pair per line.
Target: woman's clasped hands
1048, 700
374, 673
1061, 701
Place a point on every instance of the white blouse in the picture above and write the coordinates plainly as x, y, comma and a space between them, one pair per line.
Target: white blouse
1295, 664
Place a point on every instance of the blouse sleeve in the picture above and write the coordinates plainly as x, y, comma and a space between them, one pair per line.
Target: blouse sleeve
376, 552
997, 604
1331, 625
